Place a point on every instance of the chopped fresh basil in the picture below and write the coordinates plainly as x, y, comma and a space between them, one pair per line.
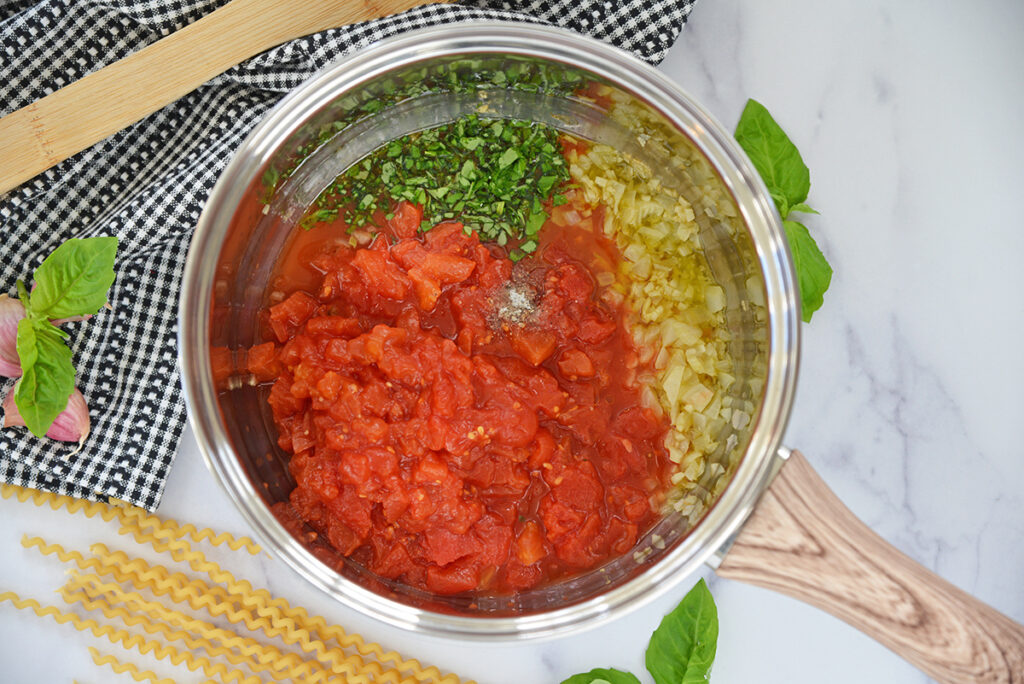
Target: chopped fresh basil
468, 75
494, 176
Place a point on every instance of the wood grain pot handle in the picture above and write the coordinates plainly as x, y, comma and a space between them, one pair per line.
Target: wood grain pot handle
802, 541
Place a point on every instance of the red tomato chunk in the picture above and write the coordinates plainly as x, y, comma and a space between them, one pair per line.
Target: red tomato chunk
460, 423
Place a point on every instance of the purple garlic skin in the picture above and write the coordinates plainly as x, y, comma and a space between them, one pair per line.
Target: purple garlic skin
11, 311
72, 425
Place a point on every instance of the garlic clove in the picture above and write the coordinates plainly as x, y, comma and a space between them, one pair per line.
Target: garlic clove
72, 425
11, 311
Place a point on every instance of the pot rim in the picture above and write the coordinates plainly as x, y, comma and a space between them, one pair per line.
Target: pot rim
740, 179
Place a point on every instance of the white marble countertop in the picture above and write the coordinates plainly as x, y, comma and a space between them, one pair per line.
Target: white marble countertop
909, 117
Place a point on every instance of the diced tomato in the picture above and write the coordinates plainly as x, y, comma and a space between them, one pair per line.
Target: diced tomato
329, 385
631, 501
382, 275
582, 548
374, 430
430, 469
530, 543
396, 499
622, 535
465, 341
447, 269
444, 547
354, 467
342, 537
262, 361
515, 427
593, 330
409, 253
382, 461
406, 220
573, 282
282, 401
637, 422
286, 317
221, 365
588, 422
449, 236
394, 561
533, 345
354, 510
427, 289
577, 487
333, 326
573, 363
303, 436
453, 579
454, 433
544, 449
519, 577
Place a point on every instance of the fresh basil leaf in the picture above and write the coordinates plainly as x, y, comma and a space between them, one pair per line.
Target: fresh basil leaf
47, 376
682, 649
74, 279
784, 172
803, 208
600, 675
774, 155
813, 272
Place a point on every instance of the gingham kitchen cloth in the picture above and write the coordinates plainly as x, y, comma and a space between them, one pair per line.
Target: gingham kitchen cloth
147, 185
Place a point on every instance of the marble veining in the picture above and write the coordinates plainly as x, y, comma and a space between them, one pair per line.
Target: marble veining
908, 116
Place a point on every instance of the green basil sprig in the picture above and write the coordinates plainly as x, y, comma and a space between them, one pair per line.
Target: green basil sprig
601, 675
72, 281
683, 647
47, 376
780, 165
681, 650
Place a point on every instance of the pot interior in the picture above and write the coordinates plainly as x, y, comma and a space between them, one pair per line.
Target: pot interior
346, 124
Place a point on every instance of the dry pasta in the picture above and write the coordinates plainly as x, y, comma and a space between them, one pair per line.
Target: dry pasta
290, 623
130, 668
155, 627
338, 655
264, 658
281, 618
179, 531
128, 640
200, 595
89, 509
122, 510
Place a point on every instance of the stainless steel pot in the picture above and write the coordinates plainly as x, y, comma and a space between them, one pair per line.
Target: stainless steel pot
236, 243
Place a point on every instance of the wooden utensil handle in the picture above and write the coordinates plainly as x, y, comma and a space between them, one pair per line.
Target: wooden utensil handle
52, 129
802, 541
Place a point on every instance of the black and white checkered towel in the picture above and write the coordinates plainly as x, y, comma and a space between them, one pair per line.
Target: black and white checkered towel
147, 186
